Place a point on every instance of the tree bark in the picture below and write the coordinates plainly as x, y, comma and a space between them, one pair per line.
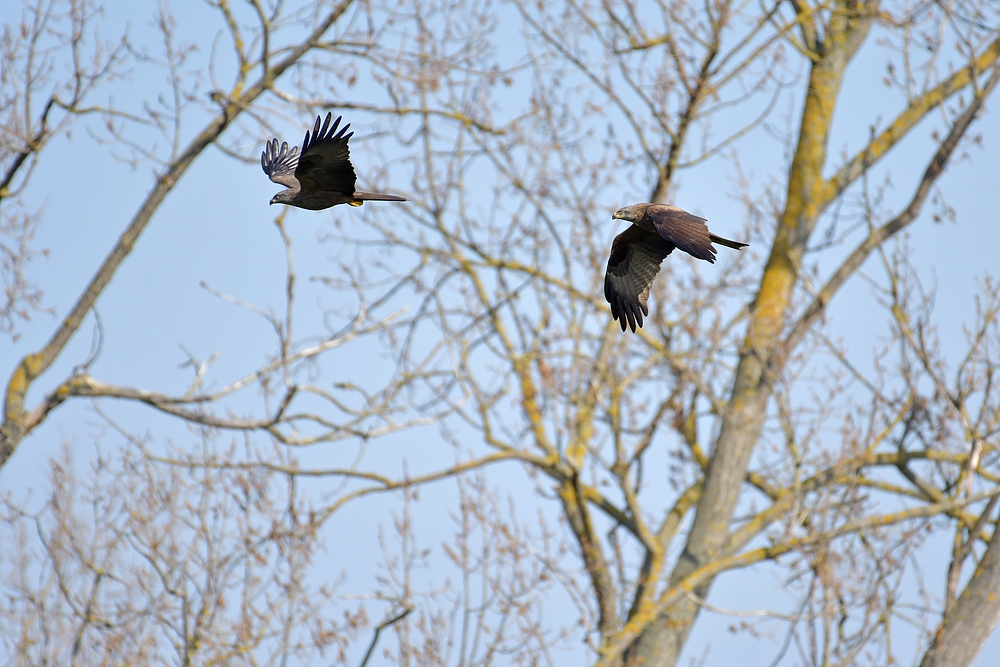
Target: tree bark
971, 620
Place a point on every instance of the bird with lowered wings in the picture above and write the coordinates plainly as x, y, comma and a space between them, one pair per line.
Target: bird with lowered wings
321, 175
637, 253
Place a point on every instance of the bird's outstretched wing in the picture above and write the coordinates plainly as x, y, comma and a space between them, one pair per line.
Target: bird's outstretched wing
635, 260
280, 164
686, 231
325, 161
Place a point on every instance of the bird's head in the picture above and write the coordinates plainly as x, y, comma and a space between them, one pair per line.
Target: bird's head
631, 213
282, 197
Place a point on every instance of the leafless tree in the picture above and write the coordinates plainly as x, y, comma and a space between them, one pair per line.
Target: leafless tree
733, 433
146, 565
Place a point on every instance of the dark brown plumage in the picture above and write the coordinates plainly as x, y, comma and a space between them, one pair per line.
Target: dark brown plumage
637, 252
322, 175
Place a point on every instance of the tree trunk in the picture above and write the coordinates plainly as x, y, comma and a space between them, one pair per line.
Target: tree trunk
970, 621
661, 644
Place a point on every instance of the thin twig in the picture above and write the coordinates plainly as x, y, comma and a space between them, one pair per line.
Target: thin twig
382, 626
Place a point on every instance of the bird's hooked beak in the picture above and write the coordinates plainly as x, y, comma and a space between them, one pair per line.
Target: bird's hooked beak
617, 215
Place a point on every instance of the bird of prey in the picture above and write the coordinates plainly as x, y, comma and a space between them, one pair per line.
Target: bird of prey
637, 252
321, 175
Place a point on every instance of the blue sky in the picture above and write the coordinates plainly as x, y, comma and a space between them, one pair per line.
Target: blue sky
216, 229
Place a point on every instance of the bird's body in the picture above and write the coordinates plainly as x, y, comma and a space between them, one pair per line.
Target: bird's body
321, 175
637, 253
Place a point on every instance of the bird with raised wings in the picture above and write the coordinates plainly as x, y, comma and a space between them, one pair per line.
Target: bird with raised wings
321, 175
637, 253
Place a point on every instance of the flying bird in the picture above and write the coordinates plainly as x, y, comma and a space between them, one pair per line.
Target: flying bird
321, 175
637, 252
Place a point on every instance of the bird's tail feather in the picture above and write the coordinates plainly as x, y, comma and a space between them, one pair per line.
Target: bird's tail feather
374, 196
735, 245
